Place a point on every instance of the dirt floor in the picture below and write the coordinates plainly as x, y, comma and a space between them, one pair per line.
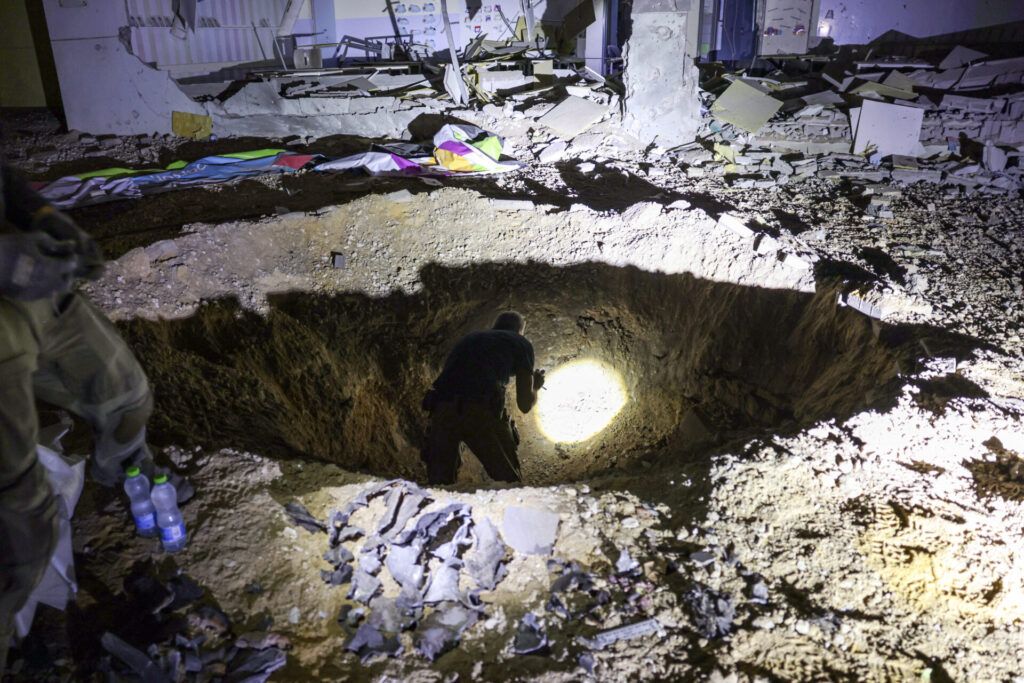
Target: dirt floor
851, 487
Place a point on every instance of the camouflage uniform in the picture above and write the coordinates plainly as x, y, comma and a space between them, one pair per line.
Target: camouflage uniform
58, 348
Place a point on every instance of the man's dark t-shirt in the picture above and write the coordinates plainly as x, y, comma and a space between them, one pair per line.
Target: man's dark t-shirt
481, 365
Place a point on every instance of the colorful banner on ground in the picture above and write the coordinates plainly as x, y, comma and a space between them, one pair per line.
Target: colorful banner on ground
123, 183
458, 149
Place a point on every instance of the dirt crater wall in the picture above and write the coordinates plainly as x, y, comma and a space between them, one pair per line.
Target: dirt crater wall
340, 378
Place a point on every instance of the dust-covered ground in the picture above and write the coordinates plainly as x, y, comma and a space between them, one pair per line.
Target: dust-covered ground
849, 490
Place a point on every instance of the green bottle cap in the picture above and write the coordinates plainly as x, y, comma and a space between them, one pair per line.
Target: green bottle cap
160, 479
133, 471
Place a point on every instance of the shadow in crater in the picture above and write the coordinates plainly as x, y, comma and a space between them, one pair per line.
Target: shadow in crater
340, 378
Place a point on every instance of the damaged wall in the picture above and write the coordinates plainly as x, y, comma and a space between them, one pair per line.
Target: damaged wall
422, 20
861, 21
106, 89
133, 98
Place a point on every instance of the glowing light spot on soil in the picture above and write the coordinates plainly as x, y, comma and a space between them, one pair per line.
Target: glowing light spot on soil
579, 400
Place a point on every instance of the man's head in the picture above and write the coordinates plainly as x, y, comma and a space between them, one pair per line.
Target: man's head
510, 321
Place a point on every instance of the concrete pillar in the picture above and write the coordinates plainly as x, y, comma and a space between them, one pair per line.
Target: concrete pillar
661, 103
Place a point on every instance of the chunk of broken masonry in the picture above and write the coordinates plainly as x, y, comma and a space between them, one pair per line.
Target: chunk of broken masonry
530, 531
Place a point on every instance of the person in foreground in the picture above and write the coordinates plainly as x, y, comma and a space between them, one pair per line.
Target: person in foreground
57, 347
467, 401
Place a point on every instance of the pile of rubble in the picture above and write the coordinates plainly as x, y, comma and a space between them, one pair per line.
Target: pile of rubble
959, 124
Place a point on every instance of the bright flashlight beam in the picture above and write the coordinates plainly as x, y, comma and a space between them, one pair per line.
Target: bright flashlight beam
579, 400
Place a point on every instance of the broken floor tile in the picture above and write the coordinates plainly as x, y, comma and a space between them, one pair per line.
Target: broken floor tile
530, 531
745, 105
572, 116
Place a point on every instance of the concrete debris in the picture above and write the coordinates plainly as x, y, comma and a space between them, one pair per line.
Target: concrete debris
399, 196
512, 204
163, 250
746, 105
858, 303
530, 531
960, 56
572, 116
369, 644
888, 129
552, 153
876, 114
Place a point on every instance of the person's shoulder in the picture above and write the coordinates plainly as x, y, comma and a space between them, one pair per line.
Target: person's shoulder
525, 347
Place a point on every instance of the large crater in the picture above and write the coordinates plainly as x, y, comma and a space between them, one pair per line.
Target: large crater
340, 378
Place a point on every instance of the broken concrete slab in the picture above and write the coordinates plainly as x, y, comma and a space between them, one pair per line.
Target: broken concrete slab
746, 106
899, 81
887, 129
960, 56
162, 250
399, 196
826, 98
879, 90
734, 224
991, 73
530, 531
572, 116
512, 204
552, 153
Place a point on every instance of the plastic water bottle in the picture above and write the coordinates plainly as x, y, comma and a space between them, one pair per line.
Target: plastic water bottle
168, 516
143, 512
